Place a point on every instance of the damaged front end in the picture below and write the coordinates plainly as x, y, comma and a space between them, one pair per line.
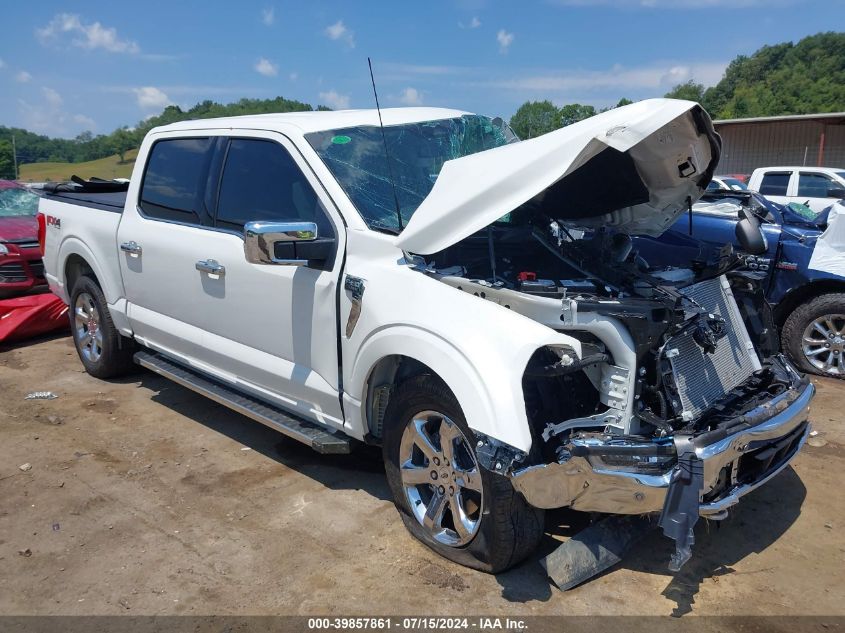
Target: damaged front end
667, 406
671, 397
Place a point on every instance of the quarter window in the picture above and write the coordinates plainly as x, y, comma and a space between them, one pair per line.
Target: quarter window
261, 181
173, 179
814, 185
775, 183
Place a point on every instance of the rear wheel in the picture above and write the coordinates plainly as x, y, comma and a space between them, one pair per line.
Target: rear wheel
101, 348
814, 336
446, 498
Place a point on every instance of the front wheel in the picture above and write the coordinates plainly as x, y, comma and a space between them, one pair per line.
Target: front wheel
446, 498
814, 336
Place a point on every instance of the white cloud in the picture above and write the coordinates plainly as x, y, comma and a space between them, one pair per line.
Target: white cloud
473, 24
505, 39
265, 67
411, 97
293, 76
86, 122
151, 97
656, 78
334, 100
268, 16
91, 36
339, 31
23, 77
2, 64
53, 98
47, 116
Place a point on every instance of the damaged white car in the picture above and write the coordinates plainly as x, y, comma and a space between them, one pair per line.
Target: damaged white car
469, 302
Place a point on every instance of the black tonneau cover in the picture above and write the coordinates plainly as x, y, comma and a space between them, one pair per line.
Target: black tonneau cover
108, 195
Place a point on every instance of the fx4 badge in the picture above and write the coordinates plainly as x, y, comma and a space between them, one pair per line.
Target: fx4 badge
56, 223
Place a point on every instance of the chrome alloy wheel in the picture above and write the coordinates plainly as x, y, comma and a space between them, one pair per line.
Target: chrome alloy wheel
441, 478
86, 322
823, 344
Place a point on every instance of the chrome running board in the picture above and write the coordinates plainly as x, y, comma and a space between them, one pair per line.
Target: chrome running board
320, 439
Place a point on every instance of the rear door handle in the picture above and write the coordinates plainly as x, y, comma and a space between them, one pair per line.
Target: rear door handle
211, 266
131, 247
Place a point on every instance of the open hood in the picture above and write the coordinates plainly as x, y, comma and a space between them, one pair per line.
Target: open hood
631, 168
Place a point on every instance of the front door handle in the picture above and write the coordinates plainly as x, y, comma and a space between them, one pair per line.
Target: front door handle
211, 267
131, 247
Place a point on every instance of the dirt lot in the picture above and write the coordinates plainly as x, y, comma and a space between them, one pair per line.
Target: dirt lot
144, 498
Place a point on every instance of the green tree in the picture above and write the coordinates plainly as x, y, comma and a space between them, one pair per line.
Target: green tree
689, 90
574, 112
534, 118
7, 165
789, 78
122, 141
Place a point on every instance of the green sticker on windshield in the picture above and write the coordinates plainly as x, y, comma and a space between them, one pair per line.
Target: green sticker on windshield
341, 139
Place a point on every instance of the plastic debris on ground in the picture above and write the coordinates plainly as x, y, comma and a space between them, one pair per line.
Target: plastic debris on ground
41, 395
25, 317
594, 549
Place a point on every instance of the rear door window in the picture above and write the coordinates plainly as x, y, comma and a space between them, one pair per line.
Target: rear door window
775, 183
261, 181
814, 185
173, 182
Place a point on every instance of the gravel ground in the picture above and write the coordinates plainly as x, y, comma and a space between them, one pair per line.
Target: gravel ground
144, 498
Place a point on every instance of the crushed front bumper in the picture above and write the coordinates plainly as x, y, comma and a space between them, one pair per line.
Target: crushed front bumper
731, 465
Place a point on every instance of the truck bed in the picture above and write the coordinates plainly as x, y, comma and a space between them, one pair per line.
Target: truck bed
106, 201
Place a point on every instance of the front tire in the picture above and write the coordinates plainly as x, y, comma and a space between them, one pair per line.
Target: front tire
101, 348
447, 500
814, 336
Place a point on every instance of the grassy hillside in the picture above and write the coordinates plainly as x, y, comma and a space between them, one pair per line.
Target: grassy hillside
109, 167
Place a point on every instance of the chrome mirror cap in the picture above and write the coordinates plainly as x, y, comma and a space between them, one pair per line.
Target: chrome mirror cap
260, 240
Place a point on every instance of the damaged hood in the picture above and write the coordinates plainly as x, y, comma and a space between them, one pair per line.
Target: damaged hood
631, 168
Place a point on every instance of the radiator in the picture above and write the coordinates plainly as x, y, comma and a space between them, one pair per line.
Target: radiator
704, 378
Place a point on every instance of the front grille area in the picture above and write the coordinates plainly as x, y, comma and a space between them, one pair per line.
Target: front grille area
13, 273
763, 457
703, 378
36, 267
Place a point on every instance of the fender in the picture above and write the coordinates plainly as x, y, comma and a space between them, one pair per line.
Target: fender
492, 404
110, 283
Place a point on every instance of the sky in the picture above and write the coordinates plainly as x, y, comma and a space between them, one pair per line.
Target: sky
68, 67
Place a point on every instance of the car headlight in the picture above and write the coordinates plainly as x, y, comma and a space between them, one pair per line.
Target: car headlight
3, 249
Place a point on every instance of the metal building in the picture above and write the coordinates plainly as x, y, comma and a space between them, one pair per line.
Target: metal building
804, 139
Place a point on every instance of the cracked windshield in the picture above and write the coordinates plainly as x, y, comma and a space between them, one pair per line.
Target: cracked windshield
356, 157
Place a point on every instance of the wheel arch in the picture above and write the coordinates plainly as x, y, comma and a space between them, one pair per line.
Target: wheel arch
75, 267
402, 352
803, 294
76, 258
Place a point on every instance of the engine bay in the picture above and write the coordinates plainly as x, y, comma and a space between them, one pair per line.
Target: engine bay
599, 273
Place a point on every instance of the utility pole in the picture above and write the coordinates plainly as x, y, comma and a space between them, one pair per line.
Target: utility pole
15, 156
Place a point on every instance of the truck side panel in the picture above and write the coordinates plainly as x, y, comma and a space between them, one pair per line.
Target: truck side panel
78, 235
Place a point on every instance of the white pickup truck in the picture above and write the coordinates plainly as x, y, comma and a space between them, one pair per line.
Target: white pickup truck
467, 301
816, 187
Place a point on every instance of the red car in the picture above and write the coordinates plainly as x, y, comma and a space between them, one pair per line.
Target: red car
21, 267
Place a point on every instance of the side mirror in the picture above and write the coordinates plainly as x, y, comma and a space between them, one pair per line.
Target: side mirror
836, 192
276, 242
749, 234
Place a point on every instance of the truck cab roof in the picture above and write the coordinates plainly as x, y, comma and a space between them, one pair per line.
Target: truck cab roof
316, 121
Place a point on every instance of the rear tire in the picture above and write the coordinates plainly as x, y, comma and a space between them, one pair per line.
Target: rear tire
101, 348
497, 529
814, 336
